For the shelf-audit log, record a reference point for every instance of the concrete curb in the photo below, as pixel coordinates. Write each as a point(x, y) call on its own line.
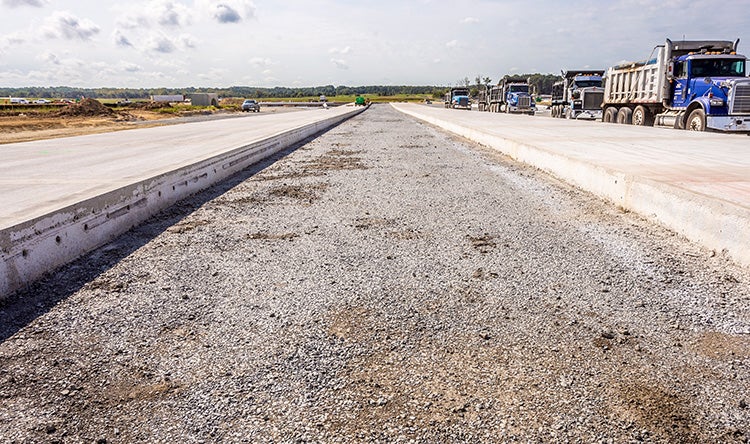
point(711, 222)
point(33, 248)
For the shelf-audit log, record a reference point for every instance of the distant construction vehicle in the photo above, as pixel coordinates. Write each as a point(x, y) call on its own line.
point(511, 95)
point(578, 95)
point(458, 98)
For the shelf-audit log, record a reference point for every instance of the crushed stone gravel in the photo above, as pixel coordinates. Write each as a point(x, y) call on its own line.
point(383, 282)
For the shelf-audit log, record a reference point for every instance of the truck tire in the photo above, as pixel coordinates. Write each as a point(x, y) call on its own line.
point(625, 115)
point(610, 115)
point(696, 121)
point(642, 116)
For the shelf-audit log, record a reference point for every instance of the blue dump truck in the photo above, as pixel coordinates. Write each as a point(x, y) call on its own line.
point(511, 95)
point(458, 98)
point(693, 85)
point(578, 95)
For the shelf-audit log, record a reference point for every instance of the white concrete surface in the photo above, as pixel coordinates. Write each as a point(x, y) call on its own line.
point(697, 184)
point(61, 198)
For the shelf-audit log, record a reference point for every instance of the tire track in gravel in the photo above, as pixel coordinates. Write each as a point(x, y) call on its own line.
point(386, 282)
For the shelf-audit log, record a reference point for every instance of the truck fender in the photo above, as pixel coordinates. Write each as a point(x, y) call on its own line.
point(700, 102)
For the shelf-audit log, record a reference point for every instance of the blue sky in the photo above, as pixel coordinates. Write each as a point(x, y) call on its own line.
point(218, 43)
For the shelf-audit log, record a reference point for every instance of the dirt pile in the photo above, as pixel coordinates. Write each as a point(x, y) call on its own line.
point(86, 108)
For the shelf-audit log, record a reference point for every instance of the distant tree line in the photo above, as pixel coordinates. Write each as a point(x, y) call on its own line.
point(543, 84)
point(60, 92)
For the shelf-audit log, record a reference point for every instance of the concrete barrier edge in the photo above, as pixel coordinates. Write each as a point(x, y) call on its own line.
point(712, 223)
point(35, 247)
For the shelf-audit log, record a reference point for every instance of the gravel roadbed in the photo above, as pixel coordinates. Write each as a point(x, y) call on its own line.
point(383, 282)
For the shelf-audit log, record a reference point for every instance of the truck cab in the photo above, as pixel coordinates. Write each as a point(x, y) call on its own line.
point(578, 95)
point(518, 99)
point(458, 98)
point(705, 84)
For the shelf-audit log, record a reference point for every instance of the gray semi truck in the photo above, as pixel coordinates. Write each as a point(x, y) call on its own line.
point(578, 95)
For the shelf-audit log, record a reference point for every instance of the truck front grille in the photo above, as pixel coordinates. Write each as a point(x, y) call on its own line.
point(741, 104)
point(593, 99)
point(524, 102)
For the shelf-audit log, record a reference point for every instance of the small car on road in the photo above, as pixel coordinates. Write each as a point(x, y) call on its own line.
point(250, 105)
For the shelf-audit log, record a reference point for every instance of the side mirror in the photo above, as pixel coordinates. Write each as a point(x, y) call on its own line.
point(670, 71)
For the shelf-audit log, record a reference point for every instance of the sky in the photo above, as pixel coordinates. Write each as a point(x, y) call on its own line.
point(267, 43)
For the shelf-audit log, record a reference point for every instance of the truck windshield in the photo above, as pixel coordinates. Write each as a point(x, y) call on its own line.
point(461, 92)
point(717, 68)
point(588, 83)
point(519, 88)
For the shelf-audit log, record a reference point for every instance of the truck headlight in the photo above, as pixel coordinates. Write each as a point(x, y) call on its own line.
point(716, 101)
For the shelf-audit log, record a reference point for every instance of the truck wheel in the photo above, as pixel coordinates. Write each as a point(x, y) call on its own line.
point(696, 121)
point(625, 115)
point(610, 115)
point(642, 116)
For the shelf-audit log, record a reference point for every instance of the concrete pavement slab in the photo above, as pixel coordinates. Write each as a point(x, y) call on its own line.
point(61, 198)
point(697, 184)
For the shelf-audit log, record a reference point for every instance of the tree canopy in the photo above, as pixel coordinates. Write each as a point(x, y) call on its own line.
point(543, 84)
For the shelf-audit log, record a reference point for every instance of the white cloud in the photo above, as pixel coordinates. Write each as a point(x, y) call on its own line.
point(214, 75)
point(48, 57)
point(187, 41)
point(133, 21)
point(261, 62)
point(161, 43)
point(340, 64)
point(63, 24)
point(121, 39)
point(227, 11)
point(226, 14)
point(469, 20)
point(170, 13)
point(18, 3)
point(452, 44)
point(129, 67)
point(10, 40)
point(344, 50)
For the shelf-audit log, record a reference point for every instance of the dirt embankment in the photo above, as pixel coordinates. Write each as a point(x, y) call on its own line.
point(86, 117)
